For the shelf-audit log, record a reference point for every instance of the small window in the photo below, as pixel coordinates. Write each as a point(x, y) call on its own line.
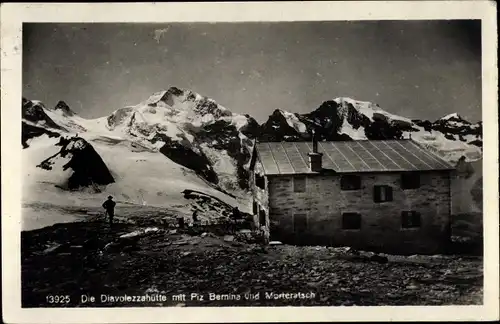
point(350, 182)
point(299, 184)
point(382, 193)
point(262, 217)
point(299, 223)
point(254, 208)
point(410, 219)
point(351, 221)
point(260, 181)
point(410, 180)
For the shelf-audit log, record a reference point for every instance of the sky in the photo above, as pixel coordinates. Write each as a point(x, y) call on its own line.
point(416, 69)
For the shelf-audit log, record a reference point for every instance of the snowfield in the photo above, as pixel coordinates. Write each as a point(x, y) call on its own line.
point(450, 150)
point(142, 177)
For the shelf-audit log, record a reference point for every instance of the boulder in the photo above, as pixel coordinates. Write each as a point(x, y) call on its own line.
point(123, 243)
point(380, 117)
point(181, 242)
point(228, 238)
point(140, 233)
point(53, 249)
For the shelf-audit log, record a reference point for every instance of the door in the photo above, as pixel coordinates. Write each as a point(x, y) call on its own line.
point(262, 218)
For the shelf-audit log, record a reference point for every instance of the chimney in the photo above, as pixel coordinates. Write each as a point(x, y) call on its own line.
point(315, 158)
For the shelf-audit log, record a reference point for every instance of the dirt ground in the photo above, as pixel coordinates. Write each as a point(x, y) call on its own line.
point(158, 266)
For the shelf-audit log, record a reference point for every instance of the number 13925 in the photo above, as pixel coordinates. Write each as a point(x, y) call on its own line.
point(57, 299)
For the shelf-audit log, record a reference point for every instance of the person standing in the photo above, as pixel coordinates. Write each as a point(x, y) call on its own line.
point(195, 217)
point(109, 205)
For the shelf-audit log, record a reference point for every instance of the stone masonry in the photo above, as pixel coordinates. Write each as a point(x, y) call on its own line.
point(324, 202)
point(260, 196)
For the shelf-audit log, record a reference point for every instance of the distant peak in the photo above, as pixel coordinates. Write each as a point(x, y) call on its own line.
point(62, 106)
point(344, 99)
point(354, 102)
point(176, 91)
point(278, 112)
point(455, 117)
point(452, 116)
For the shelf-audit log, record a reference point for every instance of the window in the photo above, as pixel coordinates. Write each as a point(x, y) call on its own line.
point(299, 223)
point(410, 219)
point(299, 184)
point(382, 193)
point(262, 217)
point(260, 181)
point(254, 208)
point(410, 180)
point(351, 221)
point(350, 182)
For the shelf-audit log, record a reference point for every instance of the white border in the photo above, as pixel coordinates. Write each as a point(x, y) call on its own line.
point(12, 16)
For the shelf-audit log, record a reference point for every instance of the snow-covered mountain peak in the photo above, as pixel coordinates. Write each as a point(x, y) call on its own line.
point(191, 130)
point(357, 104)
point(35, 113)
point(450, 116)
point(454, 119)
point(369, 109)
point(187, 100)
point(63, 109)
point(179, 106)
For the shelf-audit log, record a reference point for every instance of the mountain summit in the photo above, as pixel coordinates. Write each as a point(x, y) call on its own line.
point(64, 109)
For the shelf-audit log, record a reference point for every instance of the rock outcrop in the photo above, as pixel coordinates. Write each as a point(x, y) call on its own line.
point(88, 167)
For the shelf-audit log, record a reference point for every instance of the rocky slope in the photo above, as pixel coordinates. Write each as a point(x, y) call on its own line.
point(36, 122)
point(88, 167)
point(140, 261)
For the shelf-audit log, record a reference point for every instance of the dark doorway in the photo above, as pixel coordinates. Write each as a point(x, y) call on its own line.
point(300, 228)
point(262, 217)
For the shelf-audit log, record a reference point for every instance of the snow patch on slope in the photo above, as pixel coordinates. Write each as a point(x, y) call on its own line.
point(450, 150)
point(355, 134)
point(451, 116)
point(294, 122)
